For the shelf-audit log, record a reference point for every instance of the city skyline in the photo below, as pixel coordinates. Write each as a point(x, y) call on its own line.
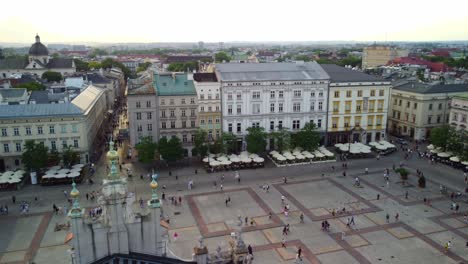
point(207, 20)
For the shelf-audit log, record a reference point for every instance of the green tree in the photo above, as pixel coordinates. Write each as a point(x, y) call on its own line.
point(325, 61)
point(109, 63)
point(256, 139)
point(81, 65)
point(222, 56)
point(183, 67)
point(351, 60)
point(440, 135)
point(146, 149)
point(94, 65)
point(53, 157)
point(35, 155)
point(302, 58)
point(282, 139)
point(144, 66)
point(171, 150)
point(229, 142)
point(52, 76)
point(70, 156)
point(31, 86)
point(55, 55)
point(98, 52)
point(308, 137)
point(201, 144)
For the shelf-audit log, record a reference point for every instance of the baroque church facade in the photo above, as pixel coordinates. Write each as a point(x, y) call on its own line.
point(37, 62)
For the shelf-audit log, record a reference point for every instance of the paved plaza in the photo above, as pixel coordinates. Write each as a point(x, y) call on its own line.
point(417, 236)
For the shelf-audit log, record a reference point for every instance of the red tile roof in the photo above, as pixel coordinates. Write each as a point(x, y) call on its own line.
point(433, 66)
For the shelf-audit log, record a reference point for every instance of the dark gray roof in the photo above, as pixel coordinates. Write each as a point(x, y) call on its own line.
point(38, 49)
point(342, 74)
point(39, 97)
point(38, 110)
point(270, 71)
point(60, 63)
point(97, 78)
point(13, 63)
point(13, 92)
point(422, 88)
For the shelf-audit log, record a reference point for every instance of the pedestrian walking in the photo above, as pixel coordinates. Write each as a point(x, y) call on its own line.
point(246, 219)
point(65, 193)
point(285, 180)
point(387, 217)
point(352, 220)
point(378, 196)
point(343, 234)
point(299, 254)
point(406, 195)
point(396, 217)
point(282, 199)
point(87, 196)
point(301, 217)
point(367, 171)
point(249, 249)
point(269, 215)
point(221, 186)
point(283, 242)
point(13, 199)
point(175, 236)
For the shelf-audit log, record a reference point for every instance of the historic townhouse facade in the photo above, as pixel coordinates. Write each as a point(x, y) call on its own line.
point(209, 103)
point(272, 96)
point(178, 107)
point(57, 126)
point(357, 106)
point(142, 109)
point(416, 108)
point(459, 112)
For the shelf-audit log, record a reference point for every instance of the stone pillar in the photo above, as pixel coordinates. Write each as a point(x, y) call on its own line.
point(200, 253)
point(76, 215)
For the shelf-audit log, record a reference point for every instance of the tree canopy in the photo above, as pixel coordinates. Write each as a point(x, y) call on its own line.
point(98, 52)
point(222, 56)
point(35, 155)
point(183, 67)
point(256, 139)
point(171, 150)
point(31, 86)
point(302, 58)
point(52, 76)
point(70, 156)
point(109, 63)
point(440, 135)
point(144, 66)
point(81, 65)
point(94, 65)
point(308, 137)
point(201, 145)
point(282, 139)
point(146, 149)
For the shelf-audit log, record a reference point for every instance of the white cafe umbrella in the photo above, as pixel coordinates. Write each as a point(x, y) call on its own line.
point(274, 152)
point(56, 167)
point(73, 174)
point(465, 162)
point(253, 156)
point(455, 159)
point(443, 155)
point(225, 162)
point(78, 166)
point(246, 160)
point(429, 147)
point(337, 145)
point(381, 147)
point(63, 171)
point(259, 159)
point(280, 158)
point(290, 157)
point(236, 159)
point(215, 163)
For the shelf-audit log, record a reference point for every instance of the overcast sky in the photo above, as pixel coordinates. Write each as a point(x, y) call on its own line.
point(233, 20)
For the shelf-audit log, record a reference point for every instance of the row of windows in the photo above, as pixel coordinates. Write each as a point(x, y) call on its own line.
point(399, 102)
point(349, 93)
point(138, 104)
point(172, 124)
point(183, 113)
point(273, 94)
point(149, 116)
point(182, 101)
point(276, 83)
point(359, 106)
point(357, 121)
point(438, 119)
point(256, 108)
point(53, 145)
point(210, 121)
point(210, 97)
point(40, 130)
point(296, 124)
point(209, 108)
point(462, 119)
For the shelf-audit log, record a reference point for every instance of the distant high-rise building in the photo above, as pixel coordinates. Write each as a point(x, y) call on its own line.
point(221, 45)
point(201, 45)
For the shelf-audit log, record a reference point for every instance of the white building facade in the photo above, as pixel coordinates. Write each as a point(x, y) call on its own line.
point(272, 96)
point(459, 112)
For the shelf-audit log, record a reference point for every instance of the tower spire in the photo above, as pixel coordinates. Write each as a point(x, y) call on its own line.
point(154, 202)
point(76, 209)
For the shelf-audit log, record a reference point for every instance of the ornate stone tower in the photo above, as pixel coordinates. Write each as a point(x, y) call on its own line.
point(120, 228)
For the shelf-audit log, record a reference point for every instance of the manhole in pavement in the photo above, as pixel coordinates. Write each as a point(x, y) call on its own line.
point(176, 213)
point(379, 259)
